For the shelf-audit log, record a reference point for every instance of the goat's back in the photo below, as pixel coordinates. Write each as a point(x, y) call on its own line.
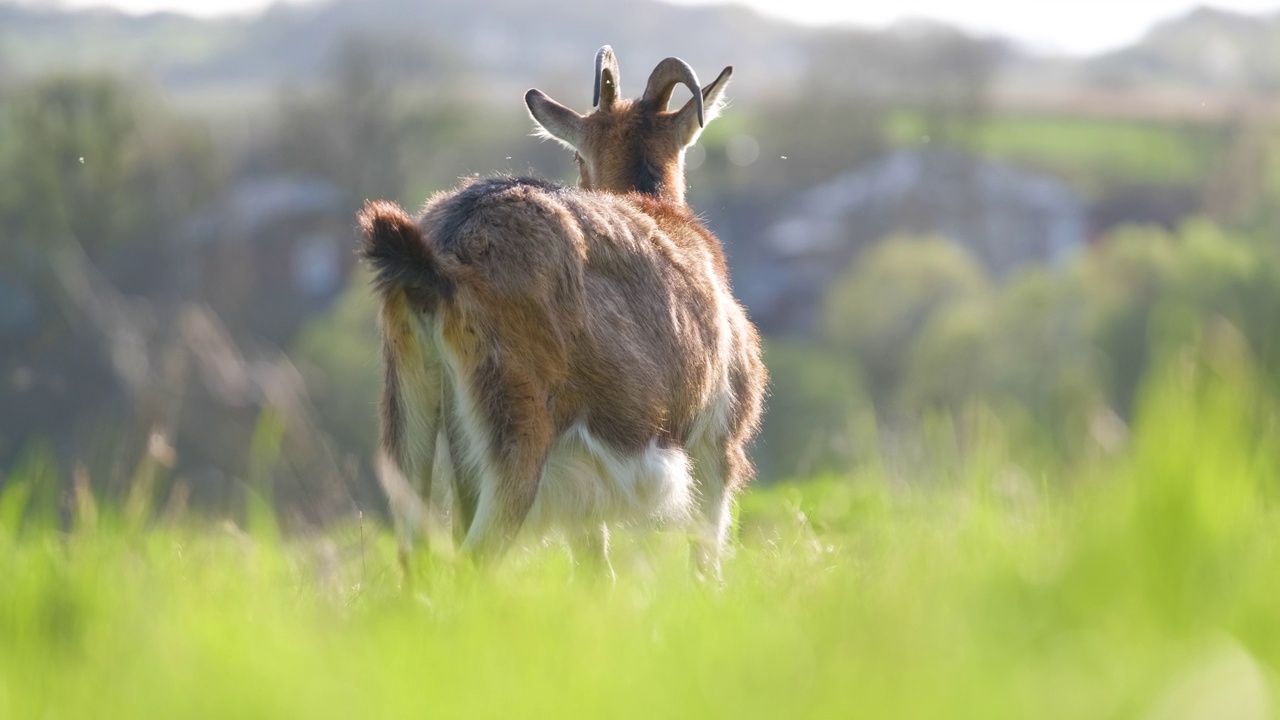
point(617, 305)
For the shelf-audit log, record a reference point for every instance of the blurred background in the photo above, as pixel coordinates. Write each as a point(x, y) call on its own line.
point(936, 216)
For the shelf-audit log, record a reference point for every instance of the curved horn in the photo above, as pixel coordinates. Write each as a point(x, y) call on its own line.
point(664, 79)
point(606, 90)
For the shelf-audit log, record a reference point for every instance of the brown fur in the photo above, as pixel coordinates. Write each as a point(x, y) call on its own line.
point(606, 306)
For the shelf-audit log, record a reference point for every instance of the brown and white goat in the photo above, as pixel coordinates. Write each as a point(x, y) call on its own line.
point(574, 355)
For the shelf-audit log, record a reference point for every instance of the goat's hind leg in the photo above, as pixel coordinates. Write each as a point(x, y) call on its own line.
point(516, 454)
point(410, 426)
point(717, 470)
point(410, 507)
point(463, 475)
point(506, 496)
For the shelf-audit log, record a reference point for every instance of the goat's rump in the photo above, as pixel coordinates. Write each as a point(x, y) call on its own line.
point(624, 295)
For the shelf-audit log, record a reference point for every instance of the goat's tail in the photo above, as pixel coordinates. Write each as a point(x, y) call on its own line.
point(401, 256)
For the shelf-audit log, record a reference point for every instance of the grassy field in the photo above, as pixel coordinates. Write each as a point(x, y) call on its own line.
point(1089, 151)
point(1144, 585)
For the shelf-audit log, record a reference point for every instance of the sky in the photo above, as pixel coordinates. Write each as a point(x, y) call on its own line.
point(1067, 26)
point(1064, 26)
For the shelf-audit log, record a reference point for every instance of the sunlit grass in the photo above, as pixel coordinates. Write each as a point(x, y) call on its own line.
point(1144, 584)
point(1089, 152)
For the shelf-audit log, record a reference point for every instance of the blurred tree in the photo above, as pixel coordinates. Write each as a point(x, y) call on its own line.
point(877, 313)
point(1244, 175)
point(821, 135)
point(348, 133)
point(1125, 282)
point(6, 72)
point(929, 332)
point(949, 363)
point(818, 421)
point(352, 130)
point(340, 358)
point(91, 160)
point(88, 163)
point(1040, 357)
point(61, 124)
point(953, 73)
point(936, 71)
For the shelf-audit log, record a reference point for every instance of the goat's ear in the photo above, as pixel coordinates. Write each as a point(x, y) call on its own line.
point(713, 101)
point(554, 120)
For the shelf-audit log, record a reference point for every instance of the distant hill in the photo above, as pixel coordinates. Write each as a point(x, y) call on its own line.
point(509, 45)
point(518, 42)
point(1205, 50)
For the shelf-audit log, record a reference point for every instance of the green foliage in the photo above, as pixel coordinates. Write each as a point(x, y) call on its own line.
point(340, 358)
point(818, 419)
point(949, 360)
point(808, 133)
point(1060, 354)
point(30, 499)
point(879, 312)
point(390, 120)
point(349, 131)
point(1143, 585)
point(91, 159)
point(264, 453)
point(1148, 290)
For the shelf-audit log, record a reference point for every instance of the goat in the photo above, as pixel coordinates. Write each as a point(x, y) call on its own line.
point(574, 355)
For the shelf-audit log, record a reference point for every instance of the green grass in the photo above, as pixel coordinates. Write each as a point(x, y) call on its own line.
point(1091, 153)
point(1144, 584)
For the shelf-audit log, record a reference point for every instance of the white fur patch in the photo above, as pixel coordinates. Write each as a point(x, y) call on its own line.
point(585, 482)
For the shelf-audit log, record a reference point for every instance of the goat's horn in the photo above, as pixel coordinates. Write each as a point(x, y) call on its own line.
point(664, 79)
point(606, 90)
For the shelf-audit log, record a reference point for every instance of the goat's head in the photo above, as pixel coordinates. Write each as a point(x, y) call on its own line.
point(633, 145)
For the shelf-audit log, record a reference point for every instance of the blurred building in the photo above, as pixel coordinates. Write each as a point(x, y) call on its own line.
point(1007, 217)
point(274, 254)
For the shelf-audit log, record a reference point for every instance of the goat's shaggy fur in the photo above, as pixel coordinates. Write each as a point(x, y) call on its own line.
point(576, 351)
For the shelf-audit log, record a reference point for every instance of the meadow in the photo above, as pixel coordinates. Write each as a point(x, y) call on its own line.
point(1092, 154)
point(1139, 583)
point(1047, 493)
